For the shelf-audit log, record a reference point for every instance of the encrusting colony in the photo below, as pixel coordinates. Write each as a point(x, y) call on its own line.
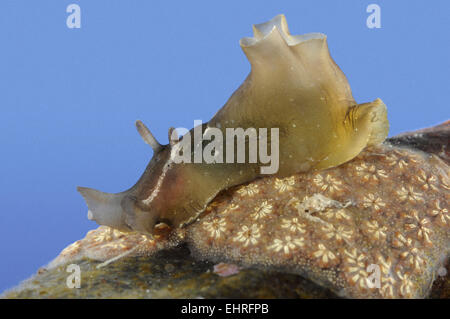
point(387, 208)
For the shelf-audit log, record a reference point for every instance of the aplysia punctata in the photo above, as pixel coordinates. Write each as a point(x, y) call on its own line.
point(294, 86)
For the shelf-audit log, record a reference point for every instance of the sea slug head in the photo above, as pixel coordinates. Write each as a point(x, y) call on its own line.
point(125, 211)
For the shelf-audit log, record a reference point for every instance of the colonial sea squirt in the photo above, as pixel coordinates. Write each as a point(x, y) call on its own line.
point(294, 86)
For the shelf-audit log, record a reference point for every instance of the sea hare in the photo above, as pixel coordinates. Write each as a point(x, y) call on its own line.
point(294, 90)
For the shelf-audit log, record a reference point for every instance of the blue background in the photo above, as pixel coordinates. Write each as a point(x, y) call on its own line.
point(69, 97)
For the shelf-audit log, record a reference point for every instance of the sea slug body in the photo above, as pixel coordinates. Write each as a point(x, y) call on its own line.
point(294, 87)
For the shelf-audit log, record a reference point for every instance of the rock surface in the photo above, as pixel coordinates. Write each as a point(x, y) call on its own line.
point(170, 273)
point(433, 140)
point(308, 235)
